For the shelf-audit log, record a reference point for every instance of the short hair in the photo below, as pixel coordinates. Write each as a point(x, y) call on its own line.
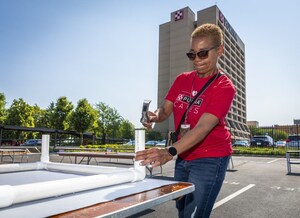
point(209, 30)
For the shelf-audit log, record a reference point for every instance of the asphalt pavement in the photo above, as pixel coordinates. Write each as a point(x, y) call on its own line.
point(255, 187)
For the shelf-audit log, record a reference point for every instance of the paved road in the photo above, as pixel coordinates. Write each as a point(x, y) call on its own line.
point(255, 187)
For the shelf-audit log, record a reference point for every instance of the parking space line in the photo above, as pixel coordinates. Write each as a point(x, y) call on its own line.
point(273, 160)
point(228, 198)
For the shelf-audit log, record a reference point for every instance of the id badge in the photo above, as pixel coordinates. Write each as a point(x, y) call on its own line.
point(184, 128)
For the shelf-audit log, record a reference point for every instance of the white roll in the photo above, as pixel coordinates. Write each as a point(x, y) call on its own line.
point(88, 169)
point(7, 195)
point(35, 191)
point(5, 168)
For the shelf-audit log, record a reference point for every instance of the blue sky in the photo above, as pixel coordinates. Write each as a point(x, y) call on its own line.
point(107, 51)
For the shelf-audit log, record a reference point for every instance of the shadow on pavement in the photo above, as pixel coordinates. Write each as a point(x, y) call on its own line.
point(293, 174)
point(145, 212)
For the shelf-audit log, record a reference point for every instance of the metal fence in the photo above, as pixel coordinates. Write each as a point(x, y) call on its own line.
point(289, 134)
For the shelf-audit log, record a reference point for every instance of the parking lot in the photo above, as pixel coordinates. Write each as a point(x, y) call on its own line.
point(255, 187)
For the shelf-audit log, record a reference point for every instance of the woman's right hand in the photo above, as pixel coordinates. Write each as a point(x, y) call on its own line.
point(151, 118)
point(159, 115)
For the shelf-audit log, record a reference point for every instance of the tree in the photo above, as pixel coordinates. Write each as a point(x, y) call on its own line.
point(153, 135)
point(108, 120)
point(83, 118)
point(39, 115)
point(126, 129)
point(20, 114)
point(2, 108)
point(48, 116)
point(114, 123)
point(280, 135)
point(60, 114)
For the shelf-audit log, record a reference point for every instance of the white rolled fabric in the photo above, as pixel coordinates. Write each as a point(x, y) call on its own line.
point(6, 168)
point(22, 193)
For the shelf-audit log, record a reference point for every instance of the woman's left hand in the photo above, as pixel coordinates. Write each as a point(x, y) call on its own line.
point(153, 156)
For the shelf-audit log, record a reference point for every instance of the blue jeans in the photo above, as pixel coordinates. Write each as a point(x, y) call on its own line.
point(207, 174)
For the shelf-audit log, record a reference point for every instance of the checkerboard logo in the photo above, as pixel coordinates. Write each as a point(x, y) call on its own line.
point(178, 15)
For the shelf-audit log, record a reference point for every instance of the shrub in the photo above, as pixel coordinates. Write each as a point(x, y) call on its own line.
point(259, 150)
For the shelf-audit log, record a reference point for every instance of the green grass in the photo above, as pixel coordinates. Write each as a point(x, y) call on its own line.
point(259, 150)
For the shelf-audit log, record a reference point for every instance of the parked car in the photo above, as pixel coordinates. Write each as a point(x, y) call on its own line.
point(161, 143)
point(32, 142)
point(261, 140)
point(280, 143)
point(131, 142)
point(151, 143)
point(293, 141)
point(241, 143)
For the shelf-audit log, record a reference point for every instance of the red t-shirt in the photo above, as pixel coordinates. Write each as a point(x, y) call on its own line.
point(216, 100)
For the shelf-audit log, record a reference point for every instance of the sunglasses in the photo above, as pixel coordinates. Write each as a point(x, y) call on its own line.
point(202, 54)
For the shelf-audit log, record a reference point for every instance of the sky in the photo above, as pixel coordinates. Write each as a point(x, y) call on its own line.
point(107, 51)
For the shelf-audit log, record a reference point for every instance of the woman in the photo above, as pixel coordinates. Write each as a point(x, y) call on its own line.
point(203, 151)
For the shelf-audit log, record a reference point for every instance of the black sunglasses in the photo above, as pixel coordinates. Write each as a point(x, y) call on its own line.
point(202, 54)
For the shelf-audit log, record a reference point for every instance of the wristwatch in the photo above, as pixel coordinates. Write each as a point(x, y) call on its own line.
point(172, 151)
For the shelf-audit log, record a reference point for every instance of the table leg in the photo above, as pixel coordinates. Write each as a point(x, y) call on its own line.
point(288, 163)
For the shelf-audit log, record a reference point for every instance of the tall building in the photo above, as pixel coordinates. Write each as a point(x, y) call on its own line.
point(174, 42)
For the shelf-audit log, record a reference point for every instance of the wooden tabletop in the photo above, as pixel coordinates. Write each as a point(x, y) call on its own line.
point(134, 203)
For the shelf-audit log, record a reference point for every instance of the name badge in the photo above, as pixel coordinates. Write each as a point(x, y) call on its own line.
point(184, 128)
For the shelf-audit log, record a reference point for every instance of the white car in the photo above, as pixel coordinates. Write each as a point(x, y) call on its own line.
point(280, 143)
point(33, 142)
point(131, 142)
point(241, 143)
point(151, 143)
point(161, 143)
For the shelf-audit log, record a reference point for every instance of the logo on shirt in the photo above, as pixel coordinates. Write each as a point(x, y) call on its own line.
point(179, 97)
point(183, 101)
point(188, 100)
